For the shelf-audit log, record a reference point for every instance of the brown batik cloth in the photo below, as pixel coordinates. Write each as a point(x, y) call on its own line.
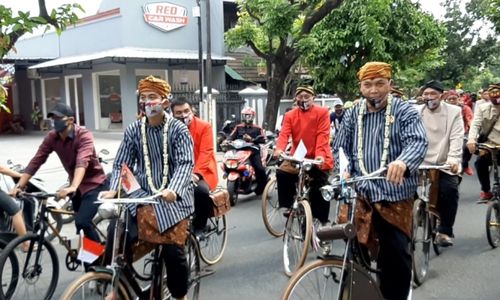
point(149, 232)
point(399, 214)
point(434, 191)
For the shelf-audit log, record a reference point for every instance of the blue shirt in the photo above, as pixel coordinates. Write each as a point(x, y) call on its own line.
point(180, 162)
point(408, 143)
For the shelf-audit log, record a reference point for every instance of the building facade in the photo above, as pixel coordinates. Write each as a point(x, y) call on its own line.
point(96, 65)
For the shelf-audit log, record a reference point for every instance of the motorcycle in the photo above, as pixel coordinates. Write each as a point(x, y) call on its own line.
point(226, 130)
point(28, 206)
point(238, 170)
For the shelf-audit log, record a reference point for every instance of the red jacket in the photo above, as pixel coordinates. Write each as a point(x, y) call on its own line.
point(205, 163)
point(313, 128)
point(468, 116)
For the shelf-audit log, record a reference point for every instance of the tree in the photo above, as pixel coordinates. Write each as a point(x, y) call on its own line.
point(465, 47)
point(393, 31)
point(273, 29)
point(12, 27)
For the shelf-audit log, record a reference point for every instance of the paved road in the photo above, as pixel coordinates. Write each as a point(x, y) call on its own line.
point(251, 267)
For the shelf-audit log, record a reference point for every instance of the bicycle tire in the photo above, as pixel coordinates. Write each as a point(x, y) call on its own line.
point(77, 289)
point(297, 236)
point(493, 225)
point(193, 259)
point(320, 279)
point(434, 225)
point(33, 275)
point(214, 241)
point(274, 221)
point(421, 239)
point(13, 263)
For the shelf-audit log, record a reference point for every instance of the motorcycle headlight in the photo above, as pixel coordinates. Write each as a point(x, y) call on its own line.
point(327, 192)
point(108, 210)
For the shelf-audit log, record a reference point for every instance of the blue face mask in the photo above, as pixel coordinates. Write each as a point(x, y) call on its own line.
point(60, 125)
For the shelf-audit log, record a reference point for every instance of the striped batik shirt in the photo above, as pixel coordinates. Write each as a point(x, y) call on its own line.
point(408, 143)
point(180, 168)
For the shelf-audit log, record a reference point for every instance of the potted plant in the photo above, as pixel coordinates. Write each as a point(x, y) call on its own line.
point(36, 116)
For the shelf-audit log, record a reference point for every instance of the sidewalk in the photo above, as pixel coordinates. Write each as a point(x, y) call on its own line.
point(21, 148)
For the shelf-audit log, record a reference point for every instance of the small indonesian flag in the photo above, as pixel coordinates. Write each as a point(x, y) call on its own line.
point(90, 250)
point(129, 183)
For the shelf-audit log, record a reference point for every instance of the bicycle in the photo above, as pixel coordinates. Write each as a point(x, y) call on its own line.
point(21, 270)
point(425, 224)
point(298, 230)
point(493, 210)
point(120, 278)
point(272, 215)
point(345, 276)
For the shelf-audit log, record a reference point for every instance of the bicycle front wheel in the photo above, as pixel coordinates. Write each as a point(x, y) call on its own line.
point(421, 242)
point(214, 240)
point(273, 218)
point(94, 286)
point(298, 230)
point(12, 264)
point(322, 279)
point(38, 269)
point(493, 224)
point(193, 259)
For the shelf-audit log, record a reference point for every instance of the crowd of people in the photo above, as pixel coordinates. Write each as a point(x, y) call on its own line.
point(171, 152)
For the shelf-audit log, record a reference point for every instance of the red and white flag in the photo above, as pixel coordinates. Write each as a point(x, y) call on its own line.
point(90, 250)
point(129, 183)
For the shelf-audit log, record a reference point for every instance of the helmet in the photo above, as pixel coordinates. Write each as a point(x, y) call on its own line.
point(248, 115)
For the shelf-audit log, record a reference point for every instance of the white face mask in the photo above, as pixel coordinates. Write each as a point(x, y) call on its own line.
point(153, 108)
point(186, 119)
point(432, 104)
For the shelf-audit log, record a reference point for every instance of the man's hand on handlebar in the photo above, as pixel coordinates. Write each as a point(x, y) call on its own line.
point(472, 146)
point(169, 195)
point(277, 153)
point(247, 138)
point(320, 159)
point(454, 167)
point(65, 192)
point(396, 171)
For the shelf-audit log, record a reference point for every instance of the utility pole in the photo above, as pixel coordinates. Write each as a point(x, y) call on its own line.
point(197, 14)
point(210, 101)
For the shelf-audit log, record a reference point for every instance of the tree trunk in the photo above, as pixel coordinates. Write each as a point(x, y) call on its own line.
point(274, 96)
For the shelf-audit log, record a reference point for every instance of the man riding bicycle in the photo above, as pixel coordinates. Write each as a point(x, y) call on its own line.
point(445, 147)
point(204, 175)
point(310, 124)
point(384, 131)
point(159, 149)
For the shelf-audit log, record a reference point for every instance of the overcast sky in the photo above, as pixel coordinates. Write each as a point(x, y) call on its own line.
point(91, 6)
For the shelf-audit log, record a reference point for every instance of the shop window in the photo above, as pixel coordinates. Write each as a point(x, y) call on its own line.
point(110, 95)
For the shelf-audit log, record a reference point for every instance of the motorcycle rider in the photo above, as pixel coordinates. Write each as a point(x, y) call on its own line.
point(252, 133)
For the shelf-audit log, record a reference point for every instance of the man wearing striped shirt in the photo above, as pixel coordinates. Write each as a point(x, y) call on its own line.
point(142, 149)
point(392, 135)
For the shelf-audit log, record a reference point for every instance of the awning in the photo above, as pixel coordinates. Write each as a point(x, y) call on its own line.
point(231, 72)
point(127, 52)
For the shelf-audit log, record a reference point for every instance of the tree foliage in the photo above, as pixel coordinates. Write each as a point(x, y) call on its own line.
point(393, 31)
point(467, 50)
point(273, 29)
point(12, 26)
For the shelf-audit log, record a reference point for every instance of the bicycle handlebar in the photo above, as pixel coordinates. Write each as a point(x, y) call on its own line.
point(488, 147)
point(142, 200)
point(37, 195)
point(305, 160)
point(438, 167)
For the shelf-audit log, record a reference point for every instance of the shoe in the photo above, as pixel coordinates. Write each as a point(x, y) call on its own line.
point(468, 171)
point(443, 240)
point(484, 197)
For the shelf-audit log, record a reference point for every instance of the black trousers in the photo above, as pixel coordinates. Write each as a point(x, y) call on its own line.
point(260, 171)
point(448, 202)
point(86, 209)
point(483, 174)
point(202, 204)
point(394, 259)
point(287, 190)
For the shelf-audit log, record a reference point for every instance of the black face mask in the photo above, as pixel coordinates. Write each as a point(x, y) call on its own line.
point(60, 125)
